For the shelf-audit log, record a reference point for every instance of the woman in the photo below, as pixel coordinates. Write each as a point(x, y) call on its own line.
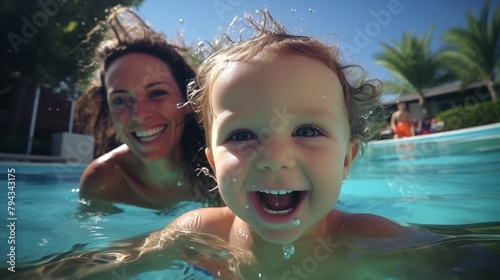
point(141, 88)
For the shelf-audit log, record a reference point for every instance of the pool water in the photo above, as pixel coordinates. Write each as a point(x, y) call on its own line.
point(441, 179)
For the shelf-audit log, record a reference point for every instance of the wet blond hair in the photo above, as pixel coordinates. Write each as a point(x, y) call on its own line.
point(361, 95)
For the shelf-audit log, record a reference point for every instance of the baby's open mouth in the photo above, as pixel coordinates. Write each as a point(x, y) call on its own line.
point(277, 203)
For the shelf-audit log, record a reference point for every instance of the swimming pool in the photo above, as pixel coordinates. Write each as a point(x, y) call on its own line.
point(441, 179)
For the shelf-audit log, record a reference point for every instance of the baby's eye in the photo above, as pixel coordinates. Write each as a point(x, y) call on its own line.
point(307, 131)
point(243, 135)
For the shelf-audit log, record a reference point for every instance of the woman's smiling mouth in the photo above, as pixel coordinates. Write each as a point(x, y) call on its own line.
point(149, 134)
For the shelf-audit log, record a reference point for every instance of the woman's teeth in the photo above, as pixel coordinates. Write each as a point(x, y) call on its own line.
point(150, 134)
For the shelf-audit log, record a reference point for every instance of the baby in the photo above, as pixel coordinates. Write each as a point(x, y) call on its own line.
point(283, 128)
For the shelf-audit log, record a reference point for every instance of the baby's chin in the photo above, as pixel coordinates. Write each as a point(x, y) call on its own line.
point(278, 236)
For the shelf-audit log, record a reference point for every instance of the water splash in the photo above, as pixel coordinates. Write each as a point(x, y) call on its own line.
point(288, 251)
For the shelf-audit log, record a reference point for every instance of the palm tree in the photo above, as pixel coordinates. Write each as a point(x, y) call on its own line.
point(414, 65)
point(474, 52)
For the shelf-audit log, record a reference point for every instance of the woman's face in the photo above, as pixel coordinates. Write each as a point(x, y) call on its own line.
point(142, 96)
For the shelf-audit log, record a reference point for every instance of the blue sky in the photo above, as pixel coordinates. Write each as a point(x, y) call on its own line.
point(358, 25)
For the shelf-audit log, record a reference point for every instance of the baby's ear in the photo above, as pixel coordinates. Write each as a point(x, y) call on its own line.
point(210, 158)
point(351, 154)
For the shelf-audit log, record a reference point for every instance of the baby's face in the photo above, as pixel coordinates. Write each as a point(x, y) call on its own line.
point(280, 144)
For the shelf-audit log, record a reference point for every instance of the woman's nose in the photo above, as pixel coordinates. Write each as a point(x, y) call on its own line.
point(142, 110)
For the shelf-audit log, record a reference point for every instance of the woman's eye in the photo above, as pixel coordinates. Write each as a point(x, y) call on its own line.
point(307, 131)
point(156, 93)
point(118, 101)
point(242, 136)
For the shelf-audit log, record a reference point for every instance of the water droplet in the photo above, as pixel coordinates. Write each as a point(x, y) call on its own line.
point(293, 10)
point(181, 21)
point(296, 222)
point(277, 204)
point(218, 272)
point(201, 44)
point(260, 275)
point(336, 107)
point(106, 10)
point(234, 179)
point(180, 183)
point(242, 233)
point(311, 10)
point(288, 251)
point(324, 97)
point(247, 206)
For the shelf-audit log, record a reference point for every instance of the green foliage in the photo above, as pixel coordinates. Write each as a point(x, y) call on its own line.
point(397, 87)
point(40, 36)
point(473, 52)
point(413, 63)
point(472, 115)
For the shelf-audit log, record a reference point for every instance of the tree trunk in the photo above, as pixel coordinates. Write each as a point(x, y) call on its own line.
point(491, 88)
point(24, 84)
point(421, 102)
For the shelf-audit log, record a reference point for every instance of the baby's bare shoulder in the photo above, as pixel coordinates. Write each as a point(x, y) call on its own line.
point(367, 225)
point(216, 220)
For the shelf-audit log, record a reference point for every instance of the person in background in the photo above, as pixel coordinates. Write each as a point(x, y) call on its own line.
point(425, 125)
point(139, 95)
point(402, 122)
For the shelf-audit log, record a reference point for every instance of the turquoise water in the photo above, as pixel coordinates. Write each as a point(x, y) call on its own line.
point(441, 179)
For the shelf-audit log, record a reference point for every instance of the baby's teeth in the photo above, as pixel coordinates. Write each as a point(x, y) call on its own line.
point(280, 212)
point(279, 192)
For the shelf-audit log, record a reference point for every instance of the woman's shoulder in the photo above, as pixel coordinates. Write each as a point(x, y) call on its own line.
point(103, 174)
